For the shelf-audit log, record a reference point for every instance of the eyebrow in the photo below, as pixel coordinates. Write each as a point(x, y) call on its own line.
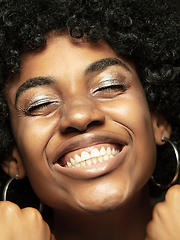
point(33, 82)
point(92, 68)
point(104, 63)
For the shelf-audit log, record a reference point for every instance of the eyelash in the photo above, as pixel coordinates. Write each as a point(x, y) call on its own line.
point(39, 106)
point(113, 87)
point(120, 87)
point(104, 89)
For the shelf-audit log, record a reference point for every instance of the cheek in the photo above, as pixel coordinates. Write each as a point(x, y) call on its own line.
point(133, 115)
point(130, 112)
point(32, 137)
point(33, 134)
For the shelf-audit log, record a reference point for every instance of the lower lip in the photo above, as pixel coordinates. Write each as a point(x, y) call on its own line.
point(93, 171)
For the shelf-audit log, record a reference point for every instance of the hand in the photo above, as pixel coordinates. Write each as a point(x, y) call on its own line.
point(165, 223)
point(22, 224)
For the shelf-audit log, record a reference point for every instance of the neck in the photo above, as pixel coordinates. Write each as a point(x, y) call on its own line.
point(125, 223)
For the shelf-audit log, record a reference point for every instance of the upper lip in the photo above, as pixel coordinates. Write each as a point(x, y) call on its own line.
point(90, 139)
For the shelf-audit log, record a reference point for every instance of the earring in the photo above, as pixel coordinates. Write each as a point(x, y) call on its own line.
point(177, 167)
point(41, 205)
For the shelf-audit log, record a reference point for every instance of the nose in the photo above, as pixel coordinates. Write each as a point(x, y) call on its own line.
point(79, 113)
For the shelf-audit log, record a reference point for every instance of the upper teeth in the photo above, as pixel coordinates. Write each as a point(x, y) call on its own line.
point(94, 157)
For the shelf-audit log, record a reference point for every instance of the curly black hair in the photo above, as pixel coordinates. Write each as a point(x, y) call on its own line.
point(145, 32)
point(175, 4)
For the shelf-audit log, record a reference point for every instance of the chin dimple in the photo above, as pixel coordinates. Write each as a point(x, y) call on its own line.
point(92, 158)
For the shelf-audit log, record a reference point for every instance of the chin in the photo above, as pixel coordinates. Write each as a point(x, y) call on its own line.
point(94, 205)
point(98, 209)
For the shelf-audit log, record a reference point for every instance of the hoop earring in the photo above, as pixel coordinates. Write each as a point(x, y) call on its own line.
point(41, 205)
point(177, 167)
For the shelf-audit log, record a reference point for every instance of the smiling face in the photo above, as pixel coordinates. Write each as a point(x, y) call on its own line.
point(82, 125)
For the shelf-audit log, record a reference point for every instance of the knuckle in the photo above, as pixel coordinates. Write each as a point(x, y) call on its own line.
point(149, 229)
point(9, 208)
point(157, 208)
point(173, 193)
point(32, 213)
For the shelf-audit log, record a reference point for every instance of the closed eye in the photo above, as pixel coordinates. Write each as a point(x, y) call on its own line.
point(41, 108)
point(36, 107)
point(110, 88)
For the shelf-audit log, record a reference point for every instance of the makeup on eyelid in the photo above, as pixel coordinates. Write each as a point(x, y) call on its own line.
point(112, 76)
point(37, 102)
point(107, 84)
point(110, 83)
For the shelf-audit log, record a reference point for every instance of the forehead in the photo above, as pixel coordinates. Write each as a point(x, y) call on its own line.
point(63, 57)
point(63, 50)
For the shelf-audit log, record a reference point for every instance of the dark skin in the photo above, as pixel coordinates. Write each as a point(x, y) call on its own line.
point(75, 97)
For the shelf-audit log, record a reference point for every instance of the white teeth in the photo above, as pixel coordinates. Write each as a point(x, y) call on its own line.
point(94, 160)
point(95, 153)
point(100, 159)
point(89, 162)
point(95, 157)
point(108, 151)
point(72, 161)
point(103, 151)
point(85, 155)
point(69, 164)
point(105, 157)
point(113, 152)
point(83, 164)
point(77, 158)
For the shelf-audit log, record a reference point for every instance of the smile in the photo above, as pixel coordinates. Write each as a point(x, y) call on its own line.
point(95, 156)
point(91, 155)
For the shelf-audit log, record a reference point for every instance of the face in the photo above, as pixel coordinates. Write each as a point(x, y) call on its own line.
point(82, 126)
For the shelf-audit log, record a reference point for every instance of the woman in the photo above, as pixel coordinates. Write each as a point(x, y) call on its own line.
point(89, 95)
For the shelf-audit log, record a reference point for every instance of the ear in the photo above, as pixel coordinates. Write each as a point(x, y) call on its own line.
point(161, 127)
point(13, 164)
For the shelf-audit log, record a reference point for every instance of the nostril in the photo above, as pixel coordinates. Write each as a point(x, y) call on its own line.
point(82, 128)
point(94, 123)
point(79, 116)
point(73, 129)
